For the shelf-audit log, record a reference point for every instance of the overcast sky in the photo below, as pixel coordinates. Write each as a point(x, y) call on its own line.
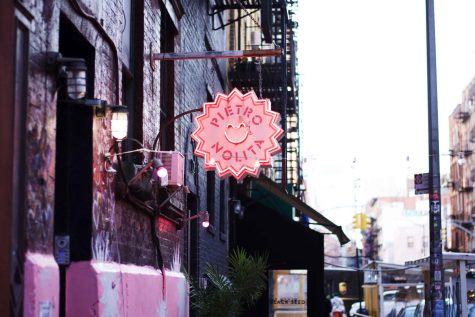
point(363, 93)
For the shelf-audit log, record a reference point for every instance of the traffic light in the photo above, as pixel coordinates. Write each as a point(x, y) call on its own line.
point(356, 221)
point(365, 221)
point(361, 221)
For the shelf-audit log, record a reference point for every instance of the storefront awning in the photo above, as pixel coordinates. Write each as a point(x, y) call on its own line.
point(299, 205)
point(289, 245)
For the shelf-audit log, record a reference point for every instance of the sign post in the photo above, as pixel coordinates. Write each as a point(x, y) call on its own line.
point(421, 183)
point(436, 263)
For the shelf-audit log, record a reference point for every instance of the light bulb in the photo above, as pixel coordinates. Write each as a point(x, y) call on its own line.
point(162, 172)
point(76, 80)
point(205, 222)
point(119, 124)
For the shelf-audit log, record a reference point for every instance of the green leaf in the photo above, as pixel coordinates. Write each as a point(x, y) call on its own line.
point(228, 295)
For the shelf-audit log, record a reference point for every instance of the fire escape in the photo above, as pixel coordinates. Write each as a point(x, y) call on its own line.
point(462, 174)
point(275, 77)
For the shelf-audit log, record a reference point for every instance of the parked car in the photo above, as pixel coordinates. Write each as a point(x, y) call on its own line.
point(354, 308)
point(420, 309)
point(389, 302)
point(408, 311)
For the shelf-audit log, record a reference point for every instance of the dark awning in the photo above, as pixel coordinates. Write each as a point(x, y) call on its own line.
point(299, 205)
point(288, 244)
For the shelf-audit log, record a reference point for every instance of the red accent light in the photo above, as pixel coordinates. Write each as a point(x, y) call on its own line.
point(237, 134)
point(205, 222)
point(162, 172)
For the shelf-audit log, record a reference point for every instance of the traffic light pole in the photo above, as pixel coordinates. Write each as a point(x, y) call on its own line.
point(436, 263)
point(358, 280)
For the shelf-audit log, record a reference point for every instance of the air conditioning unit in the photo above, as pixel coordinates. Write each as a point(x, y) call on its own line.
point(174, 162)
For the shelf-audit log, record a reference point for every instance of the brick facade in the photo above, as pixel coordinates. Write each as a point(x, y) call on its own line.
point(40, 128)
point(111, 218)
point(110, 228)
point(196, 76)
point(462, 174)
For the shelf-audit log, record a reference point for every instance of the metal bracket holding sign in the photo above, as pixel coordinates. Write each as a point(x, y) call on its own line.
point(216, 54)
point(421, 183)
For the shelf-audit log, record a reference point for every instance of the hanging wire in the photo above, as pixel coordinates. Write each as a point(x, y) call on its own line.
point(212, 71)
point(259, 71)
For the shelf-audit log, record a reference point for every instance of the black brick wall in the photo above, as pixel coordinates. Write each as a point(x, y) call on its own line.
point(195, 77)
point(120, 232)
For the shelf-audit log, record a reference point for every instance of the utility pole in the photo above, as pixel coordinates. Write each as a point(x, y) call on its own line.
point(436, 263)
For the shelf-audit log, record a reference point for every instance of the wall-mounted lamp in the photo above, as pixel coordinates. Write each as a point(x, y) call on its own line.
point(236, 207)
point(142, 183)
point(76, 79)
point(160, 173)
point(74, 72)
point(204, 223)
point(119, 122)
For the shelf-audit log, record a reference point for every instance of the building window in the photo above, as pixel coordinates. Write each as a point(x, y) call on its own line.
point(210, 195)
point(222, 207)
point(18, 214)
point(410, 242)
point(168, 33)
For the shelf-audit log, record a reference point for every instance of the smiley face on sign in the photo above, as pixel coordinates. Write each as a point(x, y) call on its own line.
point(237, 134)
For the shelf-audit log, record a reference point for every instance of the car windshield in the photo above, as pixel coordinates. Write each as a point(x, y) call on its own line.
point(389, 296)
point(407, 312)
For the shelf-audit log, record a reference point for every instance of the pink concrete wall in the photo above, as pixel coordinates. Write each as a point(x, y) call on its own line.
point(110, 289)
point(41, 292)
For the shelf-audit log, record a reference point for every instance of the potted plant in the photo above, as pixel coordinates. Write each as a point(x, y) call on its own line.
point(227, 295)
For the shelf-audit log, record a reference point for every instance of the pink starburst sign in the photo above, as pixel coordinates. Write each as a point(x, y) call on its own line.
point(237, 134)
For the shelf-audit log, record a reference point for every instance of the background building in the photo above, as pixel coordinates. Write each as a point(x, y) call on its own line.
point(403, 228)
point(399, 229)
point(460, 236)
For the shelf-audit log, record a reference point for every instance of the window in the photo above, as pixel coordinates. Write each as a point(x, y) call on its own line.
point(410, 242)
point(210, 195)
point(167, 83)
point(222, 207)
point(18, 214)
point(133, 85)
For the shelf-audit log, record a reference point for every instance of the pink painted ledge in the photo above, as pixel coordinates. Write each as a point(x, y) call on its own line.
point(110, 289)
point(41, 292)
